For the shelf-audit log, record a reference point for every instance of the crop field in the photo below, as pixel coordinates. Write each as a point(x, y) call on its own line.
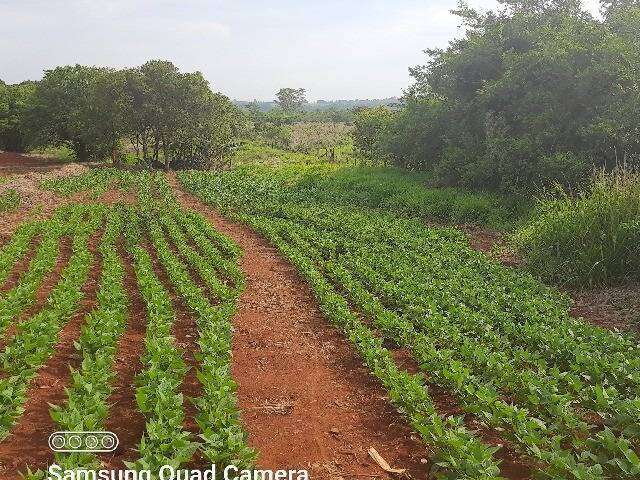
point(428, 314)
point(120, 312)
point(70, 278)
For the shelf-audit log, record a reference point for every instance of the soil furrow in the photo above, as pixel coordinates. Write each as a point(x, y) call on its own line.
point(28, 443)
point(305, 398)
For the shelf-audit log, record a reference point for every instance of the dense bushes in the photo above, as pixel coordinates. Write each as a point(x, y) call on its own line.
point(534, 93)
point(168, 116)
point(592, 238)
point(14, 103)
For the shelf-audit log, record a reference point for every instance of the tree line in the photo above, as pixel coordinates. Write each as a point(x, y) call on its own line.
point(537, 91)
point(167, 117)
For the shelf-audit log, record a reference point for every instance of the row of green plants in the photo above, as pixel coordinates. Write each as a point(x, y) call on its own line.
point(35, 338)
point(457, 452)
point(158, 395)
point(503, 343)
point(96, 180)
point(87, 404)
point(538, 429)
point(155, 234)
point(23, 294)
point(9, 200)
point(222, 440)
point(465, 287)
point(17, 247)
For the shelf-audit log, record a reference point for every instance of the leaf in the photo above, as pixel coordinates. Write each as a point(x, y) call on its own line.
point(383, 463)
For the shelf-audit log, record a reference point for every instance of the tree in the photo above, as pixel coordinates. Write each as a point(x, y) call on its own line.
point(291, 100)
point(16, 102)
point(535, 92)
point(371, 128)
point(317, 136)
point(65, 111)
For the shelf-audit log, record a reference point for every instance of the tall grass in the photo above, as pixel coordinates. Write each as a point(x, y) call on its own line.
point(591, 238)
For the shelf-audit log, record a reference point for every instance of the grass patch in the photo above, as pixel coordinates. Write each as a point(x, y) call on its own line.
point(590, 239)
point(61, 153)
point(390, 190)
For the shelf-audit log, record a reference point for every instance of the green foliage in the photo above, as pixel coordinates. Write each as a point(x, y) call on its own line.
point(64, 111)
point(291, 100)
point(504, 344)
point(387, 189)
point(15, 101)
point(9, 200)
point(534, 93)
point(175, 117)
point(592, 238)
point(371, 127)
point(169, 116)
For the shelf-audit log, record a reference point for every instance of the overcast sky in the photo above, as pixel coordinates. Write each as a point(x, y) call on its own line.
point(246, 48)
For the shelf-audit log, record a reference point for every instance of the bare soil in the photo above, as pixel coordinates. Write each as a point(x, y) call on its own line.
point(305, 398)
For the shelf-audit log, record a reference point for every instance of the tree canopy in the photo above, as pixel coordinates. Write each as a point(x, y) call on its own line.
point(169, 117)
point(534, 92)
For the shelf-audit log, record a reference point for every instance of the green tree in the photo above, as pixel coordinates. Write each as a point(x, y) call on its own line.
point(65, 111)
point(537, 91)
point(291, 100)
point(16, 102)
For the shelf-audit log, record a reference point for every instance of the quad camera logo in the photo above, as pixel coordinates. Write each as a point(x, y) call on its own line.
point(85, 442)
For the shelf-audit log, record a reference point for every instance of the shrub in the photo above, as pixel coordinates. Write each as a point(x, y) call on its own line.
point(591, 238)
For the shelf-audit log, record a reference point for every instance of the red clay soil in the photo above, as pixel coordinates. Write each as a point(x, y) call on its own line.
point(11, 162)
point(27, 445)
point(125, 418)
point(306, 400)
point(42, 294)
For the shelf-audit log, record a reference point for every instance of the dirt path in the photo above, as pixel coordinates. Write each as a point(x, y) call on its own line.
point(305, 398)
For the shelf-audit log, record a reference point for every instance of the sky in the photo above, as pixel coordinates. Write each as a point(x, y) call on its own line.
point(247, 49)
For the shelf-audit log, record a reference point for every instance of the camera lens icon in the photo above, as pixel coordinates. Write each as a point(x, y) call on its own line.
point(89, 442)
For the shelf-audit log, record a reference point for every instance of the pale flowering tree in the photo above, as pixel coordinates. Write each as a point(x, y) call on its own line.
point(320, 137)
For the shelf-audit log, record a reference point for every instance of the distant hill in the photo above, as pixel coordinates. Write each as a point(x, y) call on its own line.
point(325, 104)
